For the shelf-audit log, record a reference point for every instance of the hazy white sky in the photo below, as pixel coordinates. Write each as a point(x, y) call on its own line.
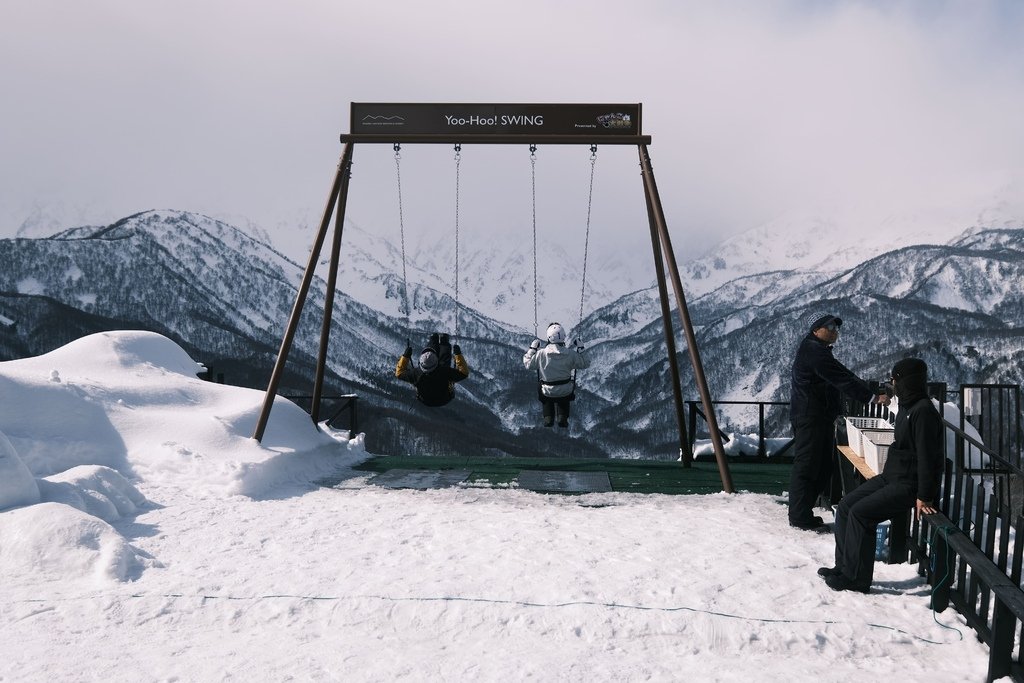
point(234, 108)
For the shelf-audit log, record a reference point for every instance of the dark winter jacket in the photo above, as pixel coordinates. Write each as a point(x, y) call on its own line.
point(818, 379)
point(433, 388)
point(916, 456)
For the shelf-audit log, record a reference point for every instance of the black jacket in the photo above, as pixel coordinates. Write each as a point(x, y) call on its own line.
point(436, 388)
point(817, 381)
point(916, 456)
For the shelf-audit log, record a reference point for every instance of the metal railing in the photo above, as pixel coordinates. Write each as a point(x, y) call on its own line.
point(347, 403)
point(972, 551)
point(993, 410)
point(694, 410)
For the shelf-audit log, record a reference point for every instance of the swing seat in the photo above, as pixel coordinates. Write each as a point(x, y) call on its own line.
point(436, 401)
point(434, 394)
point(545, 399)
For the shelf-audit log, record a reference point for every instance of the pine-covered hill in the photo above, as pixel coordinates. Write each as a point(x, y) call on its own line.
point(226, 297)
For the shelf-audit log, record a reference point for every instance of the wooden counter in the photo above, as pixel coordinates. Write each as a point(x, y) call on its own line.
point(857, 461)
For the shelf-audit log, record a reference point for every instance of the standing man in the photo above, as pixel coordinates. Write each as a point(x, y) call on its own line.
point(817, 382)
point(911, 476)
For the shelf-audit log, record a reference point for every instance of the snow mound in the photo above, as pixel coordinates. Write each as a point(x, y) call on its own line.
point(17, 485)
point(131, 401)
point(298, 469)
point(132, 351)
point(51, 542)
point(95, 490)
point(55, 425)
point(87, 423)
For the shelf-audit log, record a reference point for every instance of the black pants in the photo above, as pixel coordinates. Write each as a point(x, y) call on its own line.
point(555, 407)
point(857, 518)
point(813, 452)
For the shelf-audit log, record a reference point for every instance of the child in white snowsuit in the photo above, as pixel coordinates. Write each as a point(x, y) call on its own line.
point(555, 364)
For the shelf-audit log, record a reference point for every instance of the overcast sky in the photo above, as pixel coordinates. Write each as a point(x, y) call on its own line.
point(233, 109)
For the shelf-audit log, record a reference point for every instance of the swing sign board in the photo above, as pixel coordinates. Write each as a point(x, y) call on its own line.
point(537, 120)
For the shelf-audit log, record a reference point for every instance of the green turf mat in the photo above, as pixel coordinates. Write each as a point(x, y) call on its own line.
point(639, 476)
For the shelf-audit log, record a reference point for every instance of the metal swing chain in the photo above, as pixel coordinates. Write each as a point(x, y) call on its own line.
point(586, 246)
point(533, 193)
point(401, 227)
point(458, 160)
point(586, 241)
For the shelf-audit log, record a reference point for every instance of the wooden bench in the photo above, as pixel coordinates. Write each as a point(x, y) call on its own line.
point(899, 527)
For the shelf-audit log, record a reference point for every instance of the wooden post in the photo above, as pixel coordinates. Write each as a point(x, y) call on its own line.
point(300, 301)
point(685, 448)
point(332, 281)
point(1000, 655)
point(654, 200)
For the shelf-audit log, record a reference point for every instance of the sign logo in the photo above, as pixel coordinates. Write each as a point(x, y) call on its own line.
point(617, 121)
point(375, 120)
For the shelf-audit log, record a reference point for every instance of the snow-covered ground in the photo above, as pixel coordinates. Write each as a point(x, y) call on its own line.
point(145, 537)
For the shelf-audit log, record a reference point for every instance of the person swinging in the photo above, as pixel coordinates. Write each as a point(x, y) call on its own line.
point(435, 377)
point(555, 365)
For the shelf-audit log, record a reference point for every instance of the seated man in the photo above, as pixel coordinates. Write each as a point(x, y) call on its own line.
point(435, 378)
point(910, 478)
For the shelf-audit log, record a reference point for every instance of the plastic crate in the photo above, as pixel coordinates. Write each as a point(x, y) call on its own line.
point(875, 443)
point(856, 426)
point(882, 542)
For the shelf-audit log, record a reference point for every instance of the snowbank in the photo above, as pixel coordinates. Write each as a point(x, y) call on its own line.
point(82, 425)
point(17, 486)
point(51, 542)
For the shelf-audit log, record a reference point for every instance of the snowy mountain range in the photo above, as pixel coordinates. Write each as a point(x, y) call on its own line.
point(225, 297)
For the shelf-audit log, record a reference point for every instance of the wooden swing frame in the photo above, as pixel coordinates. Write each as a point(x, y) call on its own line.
point(502, 124)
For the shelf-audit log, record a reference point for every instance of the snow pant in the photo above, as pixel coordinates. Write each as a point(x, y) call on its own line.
point(813, 452)
point(857, 518)
point(555, 407)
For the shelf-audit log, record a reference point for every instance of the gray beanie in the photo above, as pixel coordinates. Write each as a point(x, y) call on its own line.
point(428, 360)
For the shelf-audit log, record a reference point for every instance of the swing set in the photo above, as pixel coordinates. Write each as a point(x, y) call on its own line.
point(500, 124)
point(533, 195)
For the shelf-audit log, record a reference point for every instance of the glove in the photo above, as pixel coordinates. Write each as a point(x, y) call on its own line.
point(456, 350)
point(408, 352)
point(579, 345)
point(535, 344)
